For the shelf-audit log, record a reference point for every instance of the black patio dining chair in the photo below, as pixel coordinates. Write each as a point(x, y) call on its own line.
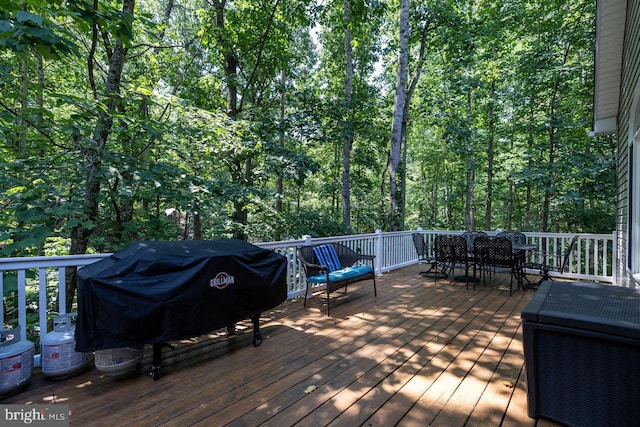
point(470, 236)
point(548, 265)
point(506, 235)
point(519, 238)
point(451, 253)
point(424, 255)
point(494, 254)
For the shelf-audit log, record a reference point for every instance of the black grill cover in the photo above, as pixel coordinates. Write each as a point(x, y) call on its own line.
point(156, 292)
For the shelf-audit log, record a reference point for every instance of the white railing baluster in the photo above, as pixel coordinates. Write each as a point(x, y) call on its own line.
point(22, 304)
point(42, 301)
point(62, 290)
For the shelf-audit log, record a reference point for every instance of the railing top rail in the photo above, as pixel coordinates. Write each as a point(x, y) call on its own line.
point(18, 263)
point(21, 263)
point(315, 240)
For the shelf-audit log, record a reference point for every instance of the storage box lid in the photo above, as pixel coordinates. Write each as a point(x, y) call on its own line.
point(595, 307)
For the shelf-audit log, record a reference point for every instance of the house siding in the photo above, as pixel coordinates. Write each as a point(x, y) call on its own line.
point(630, 79)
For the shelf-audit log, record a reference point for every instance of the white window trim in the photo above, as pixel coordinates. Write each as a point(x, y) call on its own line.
point(633, 223)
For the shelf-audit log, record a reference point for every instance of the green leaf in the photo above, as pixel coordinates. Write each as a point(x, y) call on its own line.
point(9, 283)
point(16, 190)
point(5, 26)
point(46, 51)
point(29, 18)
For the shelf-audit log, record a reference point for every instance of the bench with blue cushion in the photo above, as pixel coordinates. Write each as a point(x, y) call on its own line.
point(335, 265)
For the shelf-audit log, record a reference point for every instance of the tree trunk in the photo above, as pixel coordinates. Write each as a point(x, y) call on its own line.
point(87, 218)
point(490, 154)
point(530, 143)
point(549, 192)
point(197, 225)
point(239, 170)
point(21, 141)
point(347, 133)
point(468, 205)
point(402, 169)
point(395, 150)
point(281, 137)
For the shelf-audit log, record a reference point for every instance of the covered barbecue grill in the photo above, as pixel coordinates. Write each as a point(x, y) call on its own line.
point(157, 292)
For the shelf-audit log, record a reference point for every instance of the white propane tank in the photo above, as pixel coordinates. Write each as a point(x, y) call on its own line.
point(119, 362)
point(58, 355)
point(16, 360)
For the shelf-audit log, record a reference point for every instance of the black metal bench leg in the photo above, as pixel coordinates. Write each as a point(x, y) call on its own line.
point(328, 297)
point(306, 294)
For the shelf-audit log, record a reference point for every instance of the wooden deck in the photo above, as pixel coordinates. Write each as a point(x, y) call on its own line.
point(421, 353)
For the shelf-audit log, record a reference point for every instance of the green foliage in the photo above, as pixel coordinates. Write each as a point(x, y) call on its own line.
point(21, 30)
point(527, 66)
point(178, 163)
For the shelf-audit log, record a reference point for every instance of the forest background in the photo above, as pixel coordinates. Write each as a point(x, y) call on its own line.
point(265, 119)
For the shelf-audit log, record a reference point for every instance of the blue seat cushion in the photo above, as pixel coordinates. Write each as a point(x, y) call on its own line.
point(327, 256)
point(342, 274)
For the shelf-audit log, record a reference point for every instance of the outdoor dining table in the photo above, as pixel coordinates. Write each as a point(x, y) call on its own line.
point(523, 247)
point(517, 248)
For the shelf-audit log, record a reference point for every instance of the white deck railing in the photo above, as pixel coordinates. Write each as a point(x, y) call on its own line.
point(593, 259)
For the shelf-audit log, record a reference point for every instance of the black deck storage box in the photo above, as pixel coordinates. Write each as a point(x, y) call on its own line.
point(582, 354)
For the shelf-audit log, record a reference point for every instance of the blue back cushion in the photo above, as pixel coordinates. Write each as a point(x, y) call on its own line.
point(327, 255)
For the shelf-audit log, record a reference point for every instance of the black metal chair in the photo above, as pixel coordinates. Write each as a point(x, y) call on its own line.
point(470, 236)
point(424, 255)
point(516, 238)
point(492, 254)
point(506, 235)
point(451, 252)
point(519, 238)
point(546, 267)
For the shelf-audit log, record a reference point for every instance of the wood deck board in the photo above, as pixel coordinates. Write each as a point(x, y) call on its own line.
point(333, 397)
point(449, 367)
point(488, 350)
point(422, 352)
point(379, 393)
point(332, 365)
